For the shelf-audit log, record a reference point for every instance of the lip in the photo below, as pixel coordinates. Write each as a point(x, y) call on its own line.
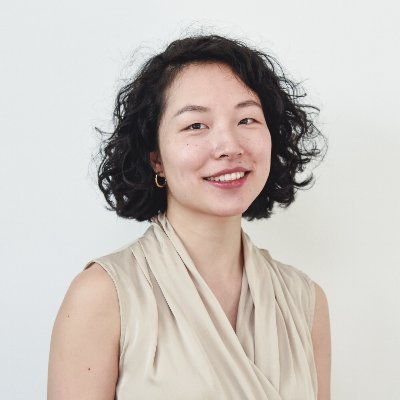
point(230, 184)
point(227, 171)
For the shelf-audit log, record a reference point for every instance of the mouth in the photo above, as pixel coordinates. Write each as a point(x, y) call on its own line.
point(235, 176)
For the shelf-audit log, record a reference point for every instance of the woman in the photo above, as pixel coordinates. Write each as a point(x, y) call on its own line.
point(206, 133)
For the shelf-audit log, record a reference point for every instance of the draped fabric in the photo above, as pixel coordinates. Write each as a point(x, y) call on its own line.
point(176, 341)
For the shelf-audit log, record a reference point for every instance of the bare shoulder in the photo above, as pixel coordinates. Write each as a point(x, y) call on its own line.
point(93, 284)
point(91, 294)
point(84, 349)
point(321, 338)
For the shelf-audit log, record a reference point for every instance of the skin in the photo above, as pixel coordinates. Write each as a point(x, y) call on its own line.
point(193, 144)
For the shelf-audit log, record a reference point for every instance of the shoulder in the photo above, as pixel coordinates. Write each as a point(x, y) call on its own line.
point(124, 265)
point(298, 285)
point(288, 272)
point(293, 276)
point(90, 300)
point(92, 288)
point(85, 338)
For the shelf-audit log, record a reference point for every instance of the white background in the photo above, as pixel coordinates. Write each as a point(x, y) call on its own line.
point(61, 65)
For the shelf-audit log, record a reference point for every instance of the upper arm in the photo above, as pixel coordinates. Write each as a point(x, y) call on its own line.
point(84, 350)
point(321, 338)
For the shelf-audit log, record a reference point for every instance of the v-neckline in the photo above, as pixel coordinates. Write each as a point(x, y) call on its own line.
point(187, 260)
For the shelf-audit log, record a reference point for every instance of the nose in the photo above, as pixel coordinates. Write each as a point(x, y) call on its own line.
point(227, 144)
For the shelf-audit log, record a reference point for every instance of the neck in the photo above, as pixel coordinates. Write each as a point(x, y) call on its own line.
point(214, 243)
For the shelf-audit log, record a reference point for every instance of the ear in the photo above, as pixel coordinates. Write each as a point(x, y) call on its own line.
point(156, 162)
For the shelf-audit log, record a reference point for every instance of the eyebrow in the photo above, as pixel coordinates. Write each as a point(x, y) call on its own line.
point(193, 107)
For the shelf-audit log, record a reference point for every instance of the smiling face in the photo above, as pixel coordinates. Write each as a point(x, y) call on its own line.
point(212, 122)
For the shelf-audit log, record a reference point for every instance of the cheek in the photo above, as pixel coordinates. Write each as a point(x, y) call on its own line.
point(184, 157)
point(267, 155)
point(261, 148)
point(267, 150)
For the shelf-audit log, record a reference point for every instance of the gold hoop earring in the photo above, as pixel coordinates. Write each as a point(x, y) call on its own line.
point(156, 181)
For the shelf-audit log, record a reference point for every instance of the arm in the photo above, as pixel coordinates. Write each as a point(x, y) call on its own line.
point(321, 338)
point(84, 348)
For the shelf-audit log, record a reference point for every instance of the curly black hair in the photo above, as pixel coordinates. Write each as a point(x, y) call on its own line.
point(125, 174)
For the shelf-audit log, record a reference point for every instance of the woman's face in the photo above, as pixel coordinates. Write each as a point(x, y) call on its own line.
point(212, 122)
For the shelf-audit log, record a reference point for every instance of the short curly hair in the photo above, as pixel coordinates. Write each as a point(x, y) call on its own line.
point(125, 175)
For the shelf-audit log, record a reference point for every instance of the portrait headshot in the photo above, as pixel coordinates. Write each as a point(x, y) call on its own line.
point(196, 201)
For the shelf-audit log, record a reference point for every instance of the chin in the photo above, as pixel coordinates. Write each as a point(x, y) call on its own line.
point(228, 211)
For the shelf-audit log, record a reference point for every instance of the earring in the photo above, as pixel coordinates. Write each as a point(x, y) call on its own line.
point(156, 181)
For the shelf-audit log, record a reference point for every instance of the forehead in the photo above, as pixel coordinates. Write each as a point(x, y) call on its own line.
point(206, 84)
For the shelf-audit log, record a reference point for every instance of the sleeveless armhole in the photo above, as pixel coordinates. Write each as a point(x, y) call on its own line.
point(113, 277)
point(309, 295)
point(311, 286)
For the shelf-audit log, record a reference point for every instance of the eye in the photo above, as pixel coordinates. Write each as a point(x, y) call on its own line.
point(246, 121)
point(195, 126)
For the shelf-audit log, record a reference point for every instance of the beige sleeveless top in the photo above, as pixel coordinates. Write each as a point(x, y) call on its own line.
point(176, 341)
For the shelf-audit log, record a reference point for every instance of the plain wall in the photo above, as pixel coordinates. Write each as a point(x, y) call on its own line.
point(61, 65)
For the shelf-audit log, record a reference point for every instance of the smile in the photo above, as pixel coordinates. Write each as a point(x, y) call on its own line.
point(227, 177)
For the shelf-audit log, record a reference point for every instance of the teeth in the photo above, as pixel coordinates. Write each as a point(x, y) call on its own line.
point(227, 177)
